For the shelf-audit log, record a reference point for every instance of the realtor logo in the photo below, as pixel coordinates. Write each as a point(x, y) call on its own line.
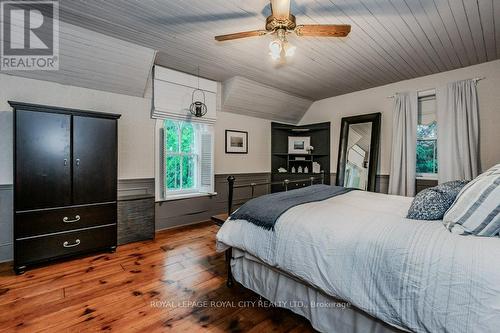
point(30, 35)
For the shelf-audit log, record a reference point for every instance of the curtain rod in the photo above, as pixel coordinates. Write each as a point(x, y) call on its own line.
point(476, 79)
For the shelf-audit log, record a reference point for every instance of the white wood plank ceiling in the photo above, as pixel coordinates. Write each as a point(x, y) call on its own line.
point(96, 61)
point(391, 40)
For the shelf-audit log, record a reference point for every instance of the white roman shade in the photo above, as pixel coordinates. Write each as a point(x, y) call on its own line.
point(172, 95)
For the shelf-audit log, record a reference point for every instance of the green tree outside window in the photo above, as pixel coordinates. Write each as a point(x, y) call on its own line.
point(427, 148)
point(180, 159)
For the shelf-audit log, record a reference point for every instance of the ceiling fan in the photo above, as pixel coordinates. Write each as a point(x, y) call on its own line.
point(281, 22)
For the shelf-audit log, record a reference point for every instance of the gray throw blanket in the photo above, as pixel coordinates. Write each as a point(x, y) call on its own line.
point(265, 210)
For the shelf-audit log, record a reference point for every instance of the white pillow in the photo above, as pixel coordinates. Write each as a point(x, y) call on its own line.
point(476, 209)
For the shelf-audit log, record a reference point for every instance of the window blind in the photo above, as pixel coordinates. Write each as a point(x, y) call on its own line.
point(163, 166)
point(206, 162)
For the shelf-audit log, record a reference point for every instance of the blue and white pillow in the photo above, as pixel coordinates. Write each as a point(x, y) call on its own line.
point(476, 210)
point(432, 203)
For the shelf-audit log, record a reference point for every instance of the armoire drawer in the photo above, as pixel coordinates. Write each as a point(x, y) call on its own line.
point(39, 249)
point(34, 223)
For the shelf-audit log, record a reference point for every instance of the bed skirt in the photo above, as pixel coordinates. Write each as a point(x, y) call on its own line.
point(325, 313)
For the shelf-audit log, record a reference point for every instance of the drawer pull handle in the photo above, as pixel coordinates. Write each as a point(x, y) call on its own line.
point(66, 244)
point(67, 220)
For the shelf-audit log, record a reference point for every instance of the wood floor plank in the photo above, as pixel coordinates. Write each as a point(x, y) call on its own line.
point(20, 306)
point(33, 287)
point(124, 291)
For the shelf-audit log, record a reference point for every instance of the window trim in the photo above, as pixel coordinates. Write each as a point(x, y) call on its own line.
point(427, 176)
point(182, 196)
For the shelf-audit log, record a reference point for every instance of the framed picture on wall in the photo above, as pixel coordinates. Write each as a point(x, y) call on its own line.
point(236, 142)
point(298, 144)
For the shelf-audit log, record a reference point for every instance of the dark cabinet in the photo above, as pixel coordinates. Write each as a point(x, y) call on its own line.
point(94, 160)
point(43, 160)
point(65, 183)
point(35, 222)
point(61, 245)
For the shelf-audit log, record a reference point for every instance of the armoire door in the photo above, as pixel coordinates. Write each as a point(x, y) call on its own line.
point(94, 160)
point(42, 160)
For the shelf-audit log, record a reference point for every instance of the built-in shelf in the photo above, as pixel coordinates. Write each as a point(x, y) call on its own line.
point(298, 173)
point(286, 154)
point(320, 139)
point(297, 130)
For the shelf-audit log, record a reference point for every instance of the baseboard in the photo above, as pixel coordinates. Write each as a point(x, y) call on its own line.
point(181, 226)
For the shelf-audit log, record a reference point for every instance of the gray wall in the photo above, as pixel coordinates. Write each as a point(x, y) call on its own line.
point(179, 212)
point(174, 213)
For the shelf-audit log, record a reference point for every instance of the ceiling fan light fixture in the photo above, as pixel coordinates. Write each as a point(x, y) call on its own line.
point(282, 22)
point(289, 49)
point(275, 48)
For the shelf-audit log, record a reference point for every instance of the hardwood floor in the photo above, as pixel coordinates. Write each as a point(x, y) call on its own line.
point(163, 285)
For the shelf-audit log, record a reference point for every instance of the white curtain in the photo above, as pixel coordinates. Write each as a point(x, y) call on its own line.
point(458, 131)
point(404, 142)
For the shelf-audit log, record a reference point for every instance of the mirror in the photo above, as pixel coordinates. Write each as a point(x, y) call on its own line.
point(358, 152)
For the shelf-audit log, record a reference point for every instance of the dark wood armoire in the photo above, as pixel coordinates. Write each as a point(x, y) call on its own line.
point(65, 183)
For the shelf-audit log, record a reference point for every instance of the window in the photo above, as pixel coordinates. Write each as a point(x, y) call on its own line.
point(186, 158)
point(427, 165)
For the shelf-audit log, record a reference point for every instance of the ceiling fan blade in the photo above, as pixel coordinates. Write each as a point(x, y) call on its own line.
point(239, 35)
point(323, 30)
point(280, 8)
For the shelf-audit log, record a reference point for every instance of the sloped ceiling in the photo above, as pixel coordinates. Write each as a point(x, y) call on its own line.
point(92, 60)
point(243, 96)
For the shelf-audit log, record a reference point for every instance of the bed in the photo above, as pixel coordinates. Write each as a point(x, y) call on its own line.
point(376, 270)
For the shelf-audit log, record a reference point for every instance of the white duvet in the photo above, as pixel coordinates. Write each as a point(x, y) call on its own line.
point(360, 247)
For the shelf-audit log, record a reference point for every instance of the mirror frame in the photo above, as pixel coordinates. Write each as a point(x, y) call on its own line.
point(373, 118)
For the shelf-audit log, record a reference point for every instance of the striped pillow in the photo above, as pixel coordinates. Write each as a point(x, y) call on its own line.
point(476, 209)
